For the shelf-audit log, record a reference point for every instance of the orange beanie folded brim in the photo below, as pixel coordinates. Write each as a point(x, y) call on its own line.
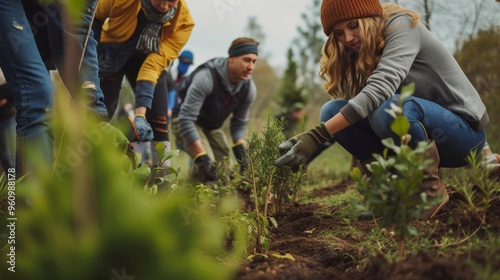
point(335, 11)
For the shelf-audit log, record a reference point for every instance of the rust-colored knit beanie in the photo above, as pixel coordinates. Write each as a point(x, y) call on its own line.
point(335, 11)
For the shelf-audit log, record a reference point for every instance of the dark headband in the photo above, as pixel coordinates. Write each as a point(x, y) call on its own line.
point(243, 49)
point(186, 60)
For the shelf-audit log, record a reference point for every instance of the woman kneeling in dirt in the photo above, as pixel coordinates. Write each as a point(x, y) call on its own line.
point(372, 51)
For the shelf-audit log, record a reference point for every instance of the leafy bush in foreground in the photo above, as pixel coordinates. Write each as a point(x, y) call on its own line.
point(89, 218)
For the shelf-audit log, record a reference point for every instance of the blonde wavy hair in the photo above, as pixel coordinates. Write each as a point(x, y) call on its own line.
point(345, 71)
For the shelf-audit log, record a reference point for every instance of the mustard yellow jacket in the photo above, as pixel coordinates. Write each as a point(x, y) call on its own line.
point(120, 21)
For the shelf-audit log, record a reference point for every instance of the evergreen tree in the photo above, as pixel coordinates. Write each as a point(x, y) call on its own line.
point(289, 93)
point(309, 45)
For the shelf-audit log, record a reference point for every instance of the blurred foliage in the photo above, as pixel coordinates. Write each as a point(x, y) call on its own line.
point(264, 75)
point(89, 218)
point(309, 45)
point(289, 93)
point(267, 82)
point(479, 57)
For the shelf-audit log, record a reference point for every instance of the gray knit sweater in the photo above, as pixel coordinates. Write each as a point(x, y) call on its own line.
point(200, 88)
point(416, 55)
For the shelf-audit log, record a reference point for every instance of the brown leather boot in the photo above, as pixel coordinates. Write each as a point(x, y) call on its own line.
point(433, 185)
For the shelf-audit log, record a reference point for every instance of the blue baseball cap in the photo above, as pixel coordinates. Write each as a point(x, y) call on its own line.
point(186, 57)
point(185, 60)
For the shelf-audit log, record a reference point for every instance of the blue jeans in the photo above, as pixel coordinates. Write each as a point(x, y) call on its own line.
point(30, 83)
point(454, 137)
point(8, 142)
point(88, 84)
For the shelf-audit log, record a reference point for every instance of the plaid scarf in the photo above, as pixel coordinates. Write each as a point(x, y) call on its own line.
point(149, 40)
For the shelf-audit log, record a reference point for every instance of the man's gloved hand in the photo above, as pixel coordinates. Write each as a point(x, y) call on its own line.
point(241, 156)
point(143, 129)
point(300, 147)
point(204, 168)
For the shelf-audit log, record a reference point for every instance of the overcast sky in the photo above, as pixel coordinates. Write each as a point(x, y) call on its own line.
point(219, 22)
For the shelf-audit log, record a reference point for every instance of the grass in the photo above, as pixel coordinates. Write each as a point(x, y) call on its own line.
point(333, 164)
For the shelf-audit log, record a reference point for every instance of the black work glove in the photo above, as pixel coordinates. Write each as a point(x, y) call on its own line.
point(204, 168)
point(300, 147)
point(241, 156)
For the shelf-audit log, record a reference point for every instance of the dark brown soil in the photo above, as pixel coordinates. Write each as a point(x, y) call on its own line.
point(318, 256)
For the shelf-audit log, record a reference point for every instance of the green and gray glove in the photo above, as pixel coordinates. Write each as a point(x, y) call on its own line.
point(300, 147)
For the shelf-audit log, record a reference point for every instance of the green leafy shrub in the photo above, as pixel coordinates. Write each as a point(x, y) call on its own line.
point(89, 218)
point(392, 191)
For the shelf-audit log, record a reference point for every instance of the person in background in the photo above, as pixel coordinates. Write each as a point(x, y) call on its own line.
point(292, 118)
point(148, 150)
point(175, 78)
point(373, 50)
point(185, 60)
point(138, 40)
point(219, 88)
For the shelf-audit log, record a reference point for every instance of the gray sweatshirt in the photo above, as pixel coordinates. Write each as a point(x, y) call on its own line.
point(416, 55)
point(200, 88)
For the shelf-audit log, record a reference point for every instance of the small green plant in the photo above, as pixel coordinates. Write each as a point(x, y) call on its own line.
point(270, 186)
point(478, 189)
point(280, 184)
point(171, 179)
point(256, 229)
point(392, 189)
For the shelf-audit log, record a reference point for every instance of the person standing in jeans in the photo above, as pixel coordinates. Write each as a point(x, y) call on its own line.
point(7, 127)
point(31, 87)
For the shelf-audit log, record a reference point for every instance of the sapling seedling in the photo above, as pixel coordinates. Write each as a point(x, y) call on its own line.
point(392, 191)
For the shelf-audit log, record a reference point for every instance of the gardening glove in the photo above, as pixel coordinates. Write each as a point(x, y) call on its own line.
point(204, 168)
point(300, 147)
point(135, 127)
point(241, 156)
point(143, 129)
